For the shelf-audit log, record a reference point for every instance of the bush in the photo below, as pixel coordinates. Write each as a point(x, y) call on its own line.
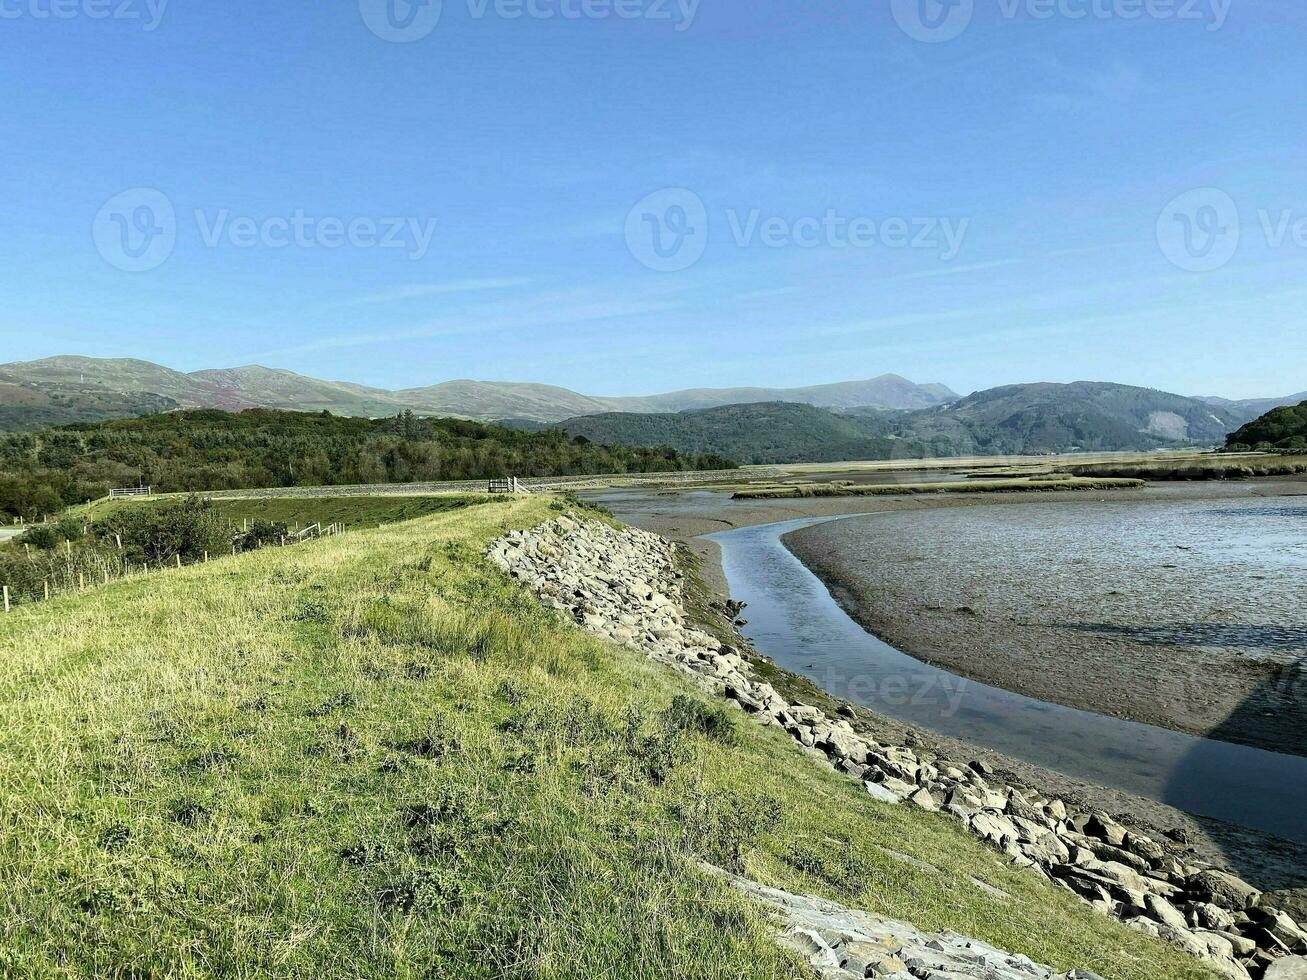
point(261, 533)
point(159, 533)
point(47, 536)
point(687, 714)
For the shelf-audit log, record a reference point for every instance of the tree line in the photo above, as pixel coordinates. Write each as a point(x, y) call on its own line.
point(209, 449)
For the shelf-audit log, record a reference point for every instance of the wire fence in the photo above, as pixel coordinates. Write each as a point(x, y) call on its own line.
point(63, 570)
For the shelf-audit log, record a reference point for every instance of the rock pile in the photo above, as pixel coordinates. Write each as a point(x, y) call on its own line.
point(625, 585)
point(841, 943)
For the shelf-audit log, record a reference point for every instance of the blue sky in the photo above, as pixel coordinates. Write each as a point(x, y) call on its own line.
point(696, 192)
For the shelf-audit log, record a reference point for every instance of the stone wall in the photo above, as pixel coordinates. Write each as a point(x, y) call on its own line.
point(625, 585)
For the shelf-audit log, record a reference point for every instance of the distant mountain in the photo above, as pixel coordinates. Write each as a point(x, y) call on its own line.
point(1247, 409)
point(1034, 418)
point(761, 432)
point(26, 405)
point(886, 391)
point(1283, 427)
point(500, 399)
point(231, 389)
point(87, 385)
point(1084, 415)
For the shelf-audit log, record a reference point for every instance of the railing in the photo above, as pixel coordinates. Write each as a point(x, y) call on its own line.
point(510, 485)
point(132, 492)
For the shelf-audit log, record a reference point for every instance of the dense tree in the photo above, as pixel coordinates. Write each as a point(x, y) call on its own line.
point(207, 449)
point(1280, 428)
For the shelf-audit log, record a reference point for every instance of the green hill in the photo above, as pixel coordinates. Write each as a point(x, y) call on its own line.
point(1280, 428)
point(768, 432)
point(1084, 415)
point(1036, 418)
point(208, 449)
point(26, 405)
point(376, 756)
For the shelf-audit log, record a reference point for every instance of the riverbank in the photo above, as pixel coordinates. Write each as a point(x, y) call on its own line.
point(1271, 862)
point(1138, 611)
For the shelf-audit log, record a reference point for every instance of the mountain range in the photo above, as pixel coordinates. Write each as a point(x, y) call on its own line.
point(883, 417)
point(1015, 419)
point(84, 384)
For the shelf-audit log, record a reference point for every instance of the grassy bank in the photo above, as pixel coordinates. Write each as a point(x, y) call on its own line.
point(349, 511)
point(969, 486)
point(1213, 467)
point(373, 756)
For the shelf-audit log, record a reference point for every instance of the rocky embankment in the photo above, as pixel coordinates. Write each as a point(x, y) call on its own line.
point(625, 585)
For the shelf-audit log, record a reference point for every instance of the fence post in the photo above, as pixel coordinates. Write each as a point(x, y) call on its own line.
point(179, 559)
point(6, 588)
point(106, 574)
point(206, 557)
point(81, 580)
point(46, 583)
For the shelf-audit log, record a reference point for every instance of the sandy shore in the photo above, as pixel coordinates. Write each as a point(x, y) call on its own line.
point(1268, 861)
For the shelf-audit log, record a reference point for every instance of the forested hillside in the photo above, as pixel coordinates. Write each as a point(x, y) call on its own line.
point(1280, 428)
point(207, 449)
point(1017, 419)
point(758, 433)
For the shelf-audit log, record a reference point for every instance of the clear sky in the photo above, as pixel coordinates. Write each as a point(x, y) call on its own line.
point(627, 196)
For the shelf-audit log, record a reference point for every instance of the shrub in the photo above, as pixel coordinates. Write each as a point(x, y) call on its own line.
point(47, 536)
point(687, 714)
point(188, 528)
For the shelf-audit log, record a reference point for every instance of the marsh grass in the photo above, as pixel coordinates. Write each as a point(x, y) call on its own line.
point(1215, 467)
point(377, 757)
point(970, 486)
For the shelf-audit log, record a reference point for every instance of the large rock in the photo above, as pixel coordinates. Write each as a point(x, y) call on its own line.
point(1289, 968)
point(1222, 890)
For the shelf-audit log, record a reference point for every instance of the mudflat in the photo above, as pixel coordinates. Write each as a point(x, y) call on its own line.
point(1183, 611)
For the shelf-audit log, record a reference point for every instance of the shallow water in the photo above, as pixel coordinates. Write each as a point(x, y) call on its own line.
point(794, 620)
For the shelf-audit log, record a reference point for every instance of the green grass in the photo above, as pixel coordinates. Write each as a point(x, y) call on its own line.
point(375, 756)
point(969, 486)
point(351, 510)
